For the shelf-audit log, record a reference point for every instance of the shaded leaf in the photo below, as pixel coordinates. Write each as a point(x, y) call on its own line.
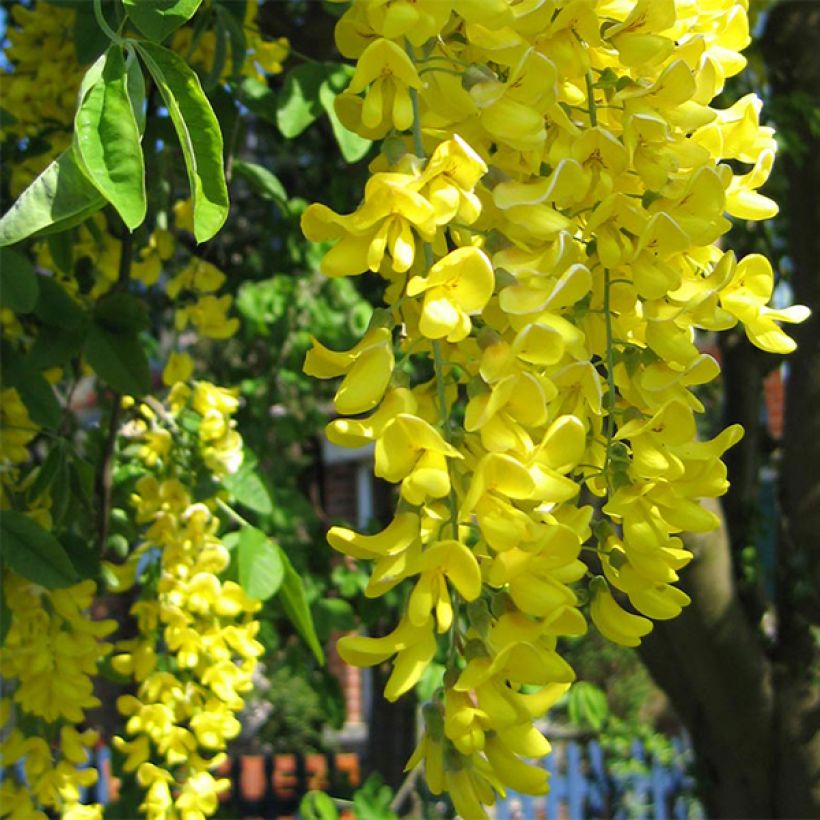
point(89, 39)
point(55, 307)
point(119, 360)
point(199, 135)
point(18, 282)
point(36, 393)
point(34, 553)
point(261, 570)
point(156, 19)
point(259, 98)
point(60, 198)
point(262, 181)
point(121, 313)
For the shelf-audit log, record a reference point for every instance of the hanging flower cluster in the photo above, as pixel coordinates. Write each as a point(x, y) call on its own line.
point(196, 649)
point(49, 659)
point(548, 235)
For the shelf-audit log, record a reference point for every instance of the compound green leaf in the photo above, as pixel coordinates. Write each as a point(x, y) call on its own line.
point(34, 553)
point(156, 19)
point(199, 136)
point(60, 198)
point(107, 139)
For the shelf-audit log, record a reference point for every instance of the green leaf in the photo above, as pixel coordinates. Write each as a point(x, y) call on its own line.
point(5, 618)
point(121, 313)
point(294, 602)
point(232, 24)
point(261, 570)
point(317, 805)
point(135, 85)
point(60, 198)
point(36, 393)
point(246, 486)
point(211, 79)
point(587, 705)
point(259, 98)
point(262, 181)
point(199, 135)
point(56, 347)
point(47, 471)
point(89, 39)
point(18, 282)
point(119, 360)
point(352, 146)
point(34, 553)
point(61, 248)
point(55, 307)
point(299, 102)
point(107, 139)
point(156, 19)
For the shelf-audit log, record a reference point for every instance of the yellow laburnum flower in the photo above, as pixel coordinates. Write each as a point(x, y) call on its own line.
point(443, 561)
point(367, 368)
point(386, 72)
point(457, 286)
point(746, 296)
point(613, 622)
point(413, 452)
point(414, 647)
point(384, 223)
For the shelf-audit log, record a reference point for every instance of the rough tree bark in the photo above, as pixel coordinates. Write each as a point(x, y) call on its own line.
point(751, 700)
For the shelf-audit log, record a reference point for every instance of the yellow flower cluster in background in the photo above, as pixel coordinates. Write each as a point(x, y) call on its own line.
point(547, 231)
point(196, 650)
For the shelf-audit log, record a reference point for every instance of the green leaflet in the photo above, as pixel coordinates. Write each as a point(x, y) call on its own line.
point(294, 602)
point(263, 182)
point(34, 553)
point(118, 359)
point(135, 84)
point(156, 19)
point(18, 282)
point(261, 569)
point(199, 135)
point(298, 104)
point(352, 146)
point(36, 393)
point(107, 139)
point(60, 198)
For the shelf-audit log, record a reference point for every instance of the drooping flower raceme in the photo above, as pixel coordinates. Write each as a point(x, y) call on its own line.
point(545, 213)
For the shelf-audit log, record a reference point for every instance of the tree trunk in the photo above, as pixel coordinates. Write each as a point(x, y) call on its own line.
point(751, 701)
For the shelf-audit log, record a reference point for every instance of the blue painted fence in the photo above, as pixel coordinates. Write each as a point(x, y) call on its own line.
point(584, 785)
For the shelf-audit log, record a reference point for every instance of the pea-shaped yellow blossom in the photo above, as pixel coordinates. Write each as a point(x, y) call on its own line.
point(367, 368)
point(746, 297)
point(458, 286)
point(413, 452)
point(443, 561)
point(387, 74)
point(414, 647)
point(384, 223)
point(614, 622)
